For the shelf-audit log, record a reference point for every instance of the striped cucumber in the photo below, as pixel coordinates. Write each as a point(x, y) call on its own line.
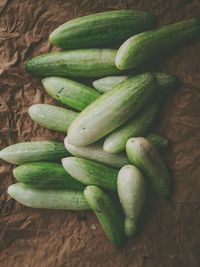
point(152, 44)
point(84, 63)
point(48, 199)
point(34, 151)
point(52, 117)
point(111, 110)
point(106, 28)
point(158, 140)
point(145, 156)
point(70, 93)
point(45, 175)
point(107, 214)
point(91, 173)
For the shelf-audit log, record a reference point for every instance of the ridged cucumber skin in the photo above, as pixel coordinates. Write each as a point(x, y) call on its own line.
point(45, 175)
point(65, 199)
point(70, 93)
point(151, 44)
point(91, 173)
point(34, 151)
point(95, 152)
point(145, 156)
point(85, 63)
point(109, 217)
point(111, 110)
point(52, 117)
point(106, 28)
point(132, 194)
point(158, 140)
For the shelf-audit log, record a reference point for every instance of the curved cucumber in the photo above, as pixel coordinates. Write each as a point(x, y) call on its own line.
point(34, 151)
point(91, 173)
point(100, 29)
point(52, 117)
point(70, 93)
point(107, 214)
point(145, 156)
point(45, 175)
point(111, 110)
point(152, 44)
point(131, 190)
point(48, 199)
point(75, 63)
point(158, 140)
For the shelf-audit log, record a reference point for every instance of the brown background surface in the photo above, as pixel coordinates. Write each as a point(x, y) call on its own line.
point(35, 238)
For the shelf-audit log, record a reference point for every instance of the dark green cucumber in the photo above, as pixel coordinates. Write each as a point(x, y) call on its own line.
point(152, 44)
point(75, 63)
point(45, 175)
point(91, 173)
point(106, 28)
point(34, 151)
point(107, 214)
point(158, 140)
point(111, 110)
point(52, 117)
point(70, 93)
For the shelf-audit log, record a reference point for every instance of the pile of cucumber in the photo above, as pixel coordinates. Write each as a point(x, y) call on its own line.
point(110, 152)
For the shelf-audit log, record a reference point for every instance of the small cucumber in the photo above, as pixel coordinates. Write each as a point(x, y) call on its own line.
point(48, 199)
point(52, 117)
point(158, 140)
point(34, 151)
point(111, 110)
point(145, 156)
point(70, 93)
point(91, 173)
point(109, 217)
point(132, 191)
point(45, 175)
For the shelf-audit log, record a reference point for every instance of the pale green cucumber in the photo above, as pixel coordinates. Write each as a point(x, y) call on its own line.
point(52, 117)
point(86, 63)
point(145, 156)
point(132, 193)
point(91, 173)
point(109, 217)
point(48, 199)
point(34, 151)
point(158, 140)
point(70, 93)
point(45, 175)
point(111, 110)
point(150, 45)
point(95, 152)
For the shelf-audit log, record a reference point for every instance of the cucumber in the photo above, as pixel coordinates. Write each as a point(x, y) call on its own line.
point(111, 110)
point(52, 117)
point(34, 151)
point(152, 44)
point(45, 175)
point(132, 193)
point(48, 199)
point(70, 93)
point(84, 63)
point(91, 173)
point(106, 28)
point(145, 156)
point(158, 140)
point(107, 214)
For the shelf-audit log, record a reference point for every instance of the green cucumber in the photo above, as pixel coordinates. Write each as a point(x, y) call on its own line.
point(150, 45)
point(158, 140)
point(52, 117)
point(145, 156)
point(106, 28)
point(111, 110)
point(84, 63)
point(132, 193)
point(45, 175)
point(70, 93)
point(91, 173)
point(107, 214)
point(34, 151)
point(48, 199)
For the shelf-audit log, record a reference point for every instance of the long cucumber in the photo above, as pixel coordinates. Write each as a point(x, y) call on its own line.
point(158, 140)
